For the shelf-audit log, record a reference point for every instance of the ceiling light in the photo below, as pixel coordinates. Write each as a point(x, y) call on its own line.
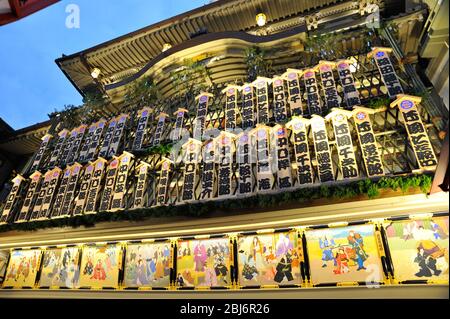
point(95, 73)
point(261, 19)
point(166, 47)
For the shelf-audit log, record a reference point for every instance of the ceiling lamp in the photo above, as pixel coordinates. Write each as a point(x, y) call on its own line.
point(95, 73)
point(261, 19)
point(166, 47)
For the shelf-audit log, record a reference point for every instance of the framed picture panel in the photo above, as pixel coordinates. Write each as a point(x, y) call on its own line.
point(269, 259)
point(22, 268)
point(344, 254)
point(100, 266)
point(204, 263)
point(4, 256)
point(147, 265)
point(60, 267)
point(419, 249)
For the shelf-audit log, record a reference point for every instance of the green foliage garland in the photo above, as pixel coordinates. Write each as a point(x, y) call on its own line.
point(367, 187)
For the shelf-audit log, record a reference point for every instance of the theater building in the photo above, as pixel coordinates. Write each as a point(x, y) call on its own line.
point(244, 149)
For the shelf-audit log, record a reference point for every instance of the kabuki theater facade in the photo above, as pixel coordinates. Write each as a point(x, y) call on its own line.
point(244, 149)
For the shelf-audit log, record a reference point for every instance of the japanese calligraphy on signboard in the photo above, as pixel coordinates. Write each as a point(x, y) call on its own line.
point(140, 197)
point(244, 159)
point(125, 162)
point(351, 94)
point(367, 141)
point(283, 161)
point(298, 127)
point(344, 144)
point(225, 149)
point(118, 132)
point(261, 85)
point(57, 205)
point(68, 146)
point(17, 181)
point(322, 149)
point(40, 153)
point(179, 124)
point(70, 191)
point(417, 132)
point(108, 137)
point(93, 193)
point(202, 112)
point(73, 153)
point(82, 156)
point(231, 109)
point(279, 100)
point(248, 117)
point(101, 124)
point(54, 157)
point(110, 182)
point(35, 182)
point(312, 92)
point(264, 174)
point(293, 88)
point(163, 183)
point(387, 70)
point(143, 117)
point(192, 149)
point(80, 200)
point(159, 128)
point(45, 196)
point(208, 171)
point(332, 98)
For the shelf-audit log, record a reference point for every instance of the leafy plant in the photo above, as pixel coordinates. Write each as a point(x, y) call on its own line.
point(143, 92)
point(190, 76)
point(379, 103)
point(257, 63)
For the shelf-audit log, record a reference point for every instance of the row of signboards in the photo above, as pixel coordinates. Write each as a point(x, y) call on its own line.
point(396, 251)
point(260, 160)
point(103, 138)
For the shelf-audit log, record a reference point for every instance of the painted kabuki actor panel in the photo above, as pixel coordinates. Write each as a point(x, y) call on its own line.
point(4, 256)
point(60, 267)
point(204, 263)
point(100, 266)
point(148, 265)
point(419, 249)
point(344, 254)
point(270, 259)
point(22, 268)
point(387, 251)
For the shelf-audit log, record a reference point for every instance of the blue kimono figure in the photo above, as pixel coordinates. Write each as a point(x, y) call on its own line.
point(327, 250)
point(356, 242)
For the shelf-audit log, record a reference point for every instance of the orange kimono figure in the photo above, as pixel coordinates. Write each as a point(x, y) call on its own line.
point(342, 262)
point(99, 271)
point(159, 273)
point(13, 272)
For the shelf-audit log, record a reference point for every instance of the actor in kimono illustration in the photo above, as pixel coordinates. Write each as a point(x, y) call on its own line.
point(159, 271)
point(200, 256)
point(283, 245)
point(356, 242)
point(256, 251)
point(220, 267)
point(427, 254)
point(141, 277)
point(89, 267)
point(327, 250)
point(284, 268)
point(99, 271)
point(249, 270)
point(341, 261)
